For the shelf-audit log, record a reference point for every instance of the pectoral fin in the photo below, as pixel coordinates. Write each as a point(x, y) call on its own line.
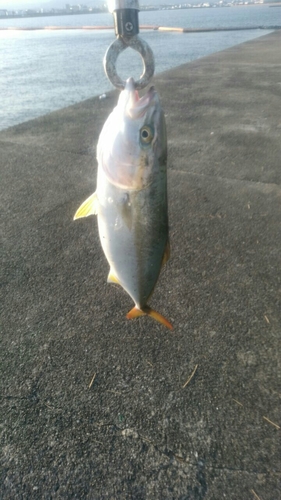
point(88, 207)
point(135, 313)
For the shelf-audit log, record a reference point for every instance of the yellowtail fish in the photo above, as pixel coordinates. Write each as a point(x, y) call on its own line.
point(131, 196)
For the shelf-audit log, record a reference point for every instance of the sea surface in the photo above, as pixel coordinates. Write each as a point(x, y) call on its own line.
point(41, 71)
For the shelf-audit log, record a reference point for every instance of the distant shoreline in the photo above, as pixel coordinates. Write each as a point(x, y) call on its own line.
point(56, 14)
point(144, 27)
point(49, 14)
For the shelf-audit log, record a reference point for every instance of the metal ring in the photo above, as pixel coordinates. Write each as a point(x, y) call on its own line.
point(112, 53)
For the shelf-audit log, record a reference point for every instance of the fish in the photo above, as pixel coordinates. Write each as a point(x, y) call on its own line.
point(131, 200)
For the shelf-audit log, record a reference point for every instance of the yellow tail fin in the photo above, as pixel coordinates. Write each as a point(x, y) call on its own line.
point(135, 313)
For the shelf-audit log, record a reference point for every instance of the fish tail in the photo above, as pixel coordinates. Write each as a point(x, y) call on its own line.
point(146, 310)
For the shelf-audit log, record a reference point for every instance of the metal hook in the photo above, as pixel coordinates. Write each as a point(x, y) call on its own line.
point(112, 53)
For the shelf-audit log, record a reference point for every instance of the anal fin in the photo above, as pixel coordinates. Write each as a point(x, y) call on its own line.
point(135, 313)
point(88, 207)
point(111, 278)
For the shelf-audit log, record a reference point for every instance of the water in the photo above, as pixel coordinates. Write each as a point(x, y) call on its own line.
point(41, 71)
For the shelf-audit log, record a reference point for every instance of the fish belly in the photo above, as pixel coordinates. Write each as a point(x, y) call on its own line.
point(133, 230)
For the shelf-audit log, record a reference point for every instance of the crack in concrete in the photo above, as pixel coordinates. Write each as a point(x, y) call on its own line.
point(168, 453)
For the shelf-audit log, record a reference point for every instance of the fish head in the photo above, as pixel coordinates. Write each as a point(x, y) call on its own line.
point(132, 145)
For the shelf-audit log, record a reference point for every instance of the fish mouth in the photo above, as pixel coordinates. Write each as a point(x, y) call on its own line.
point(137, 106)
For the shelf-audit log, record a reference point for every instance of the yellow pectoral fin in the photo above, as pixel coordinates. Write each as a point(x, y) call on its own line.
point(135, 313)
point(89, 207)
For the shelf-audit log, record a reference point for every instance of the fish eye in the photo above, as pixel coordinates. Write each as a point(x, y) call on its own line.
point(146, 135)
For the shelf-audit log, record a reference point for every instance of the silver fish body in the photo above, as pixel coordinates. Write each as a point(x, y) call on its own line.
point(131, 196)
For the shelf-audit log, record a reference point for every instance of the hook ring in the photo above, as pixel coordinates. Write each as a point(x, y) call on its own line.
point(112, 53)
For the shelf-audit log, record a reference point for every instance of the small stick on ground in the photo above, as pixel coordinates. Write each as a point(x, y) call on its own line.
point(147, 440)
point(191, 376)
point(114, 392)
point(92, 381)
point(238, 402)
point(255, 495)
point(272, 423)
point(266, 318)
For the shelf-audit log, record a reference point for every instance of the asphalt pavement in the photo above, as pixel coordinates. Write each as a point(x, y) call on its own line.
point(94, 406)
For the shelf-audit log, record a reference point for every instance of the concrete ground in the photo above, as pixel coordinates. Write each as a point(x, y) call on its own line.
point(93, 405)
